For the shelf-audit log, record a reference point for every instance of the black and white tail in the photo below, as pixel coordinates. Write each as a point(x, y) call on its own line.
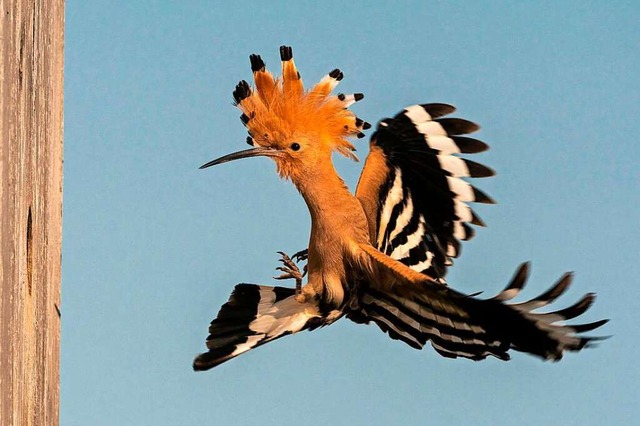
point(253, 316)
point(458, 325)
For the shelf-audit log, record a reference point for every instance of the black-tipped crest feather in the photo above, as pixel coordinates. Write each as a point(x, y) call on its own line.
point(415, 196)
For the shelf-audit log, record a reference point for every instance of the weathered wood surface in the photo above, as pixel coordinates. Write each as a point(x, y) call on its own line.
point(31, 100)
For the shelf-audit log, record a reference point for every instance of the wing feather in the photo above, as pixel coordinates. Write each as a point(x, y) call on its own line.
point(458, 325)
point(413, 191)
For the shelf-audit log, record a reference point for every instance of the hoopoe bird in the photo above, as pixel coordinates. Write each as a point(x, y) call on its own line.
point(380, 255)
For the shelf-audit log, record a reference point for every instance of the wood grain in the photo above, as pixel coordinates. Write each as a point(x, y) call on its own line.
point(31, 128)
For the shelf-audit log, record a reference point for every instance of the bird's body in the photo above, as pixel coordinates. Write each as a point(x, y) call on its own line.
point(379, 255)
point(335, 238)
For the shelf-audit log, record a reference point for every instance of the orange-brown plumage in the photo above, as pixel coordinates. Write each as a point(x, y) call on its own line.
point(279, 110)
point(379, 255)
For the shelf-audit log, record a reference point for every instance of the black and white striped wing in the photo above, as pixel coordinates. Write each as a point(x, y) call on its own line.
point(255, 315)
point(412, 187)
point(458, 325)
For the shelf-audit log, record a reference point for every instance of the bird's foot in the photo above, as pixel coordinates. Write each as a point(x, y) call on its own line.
point(301, 255)
point(290, 270)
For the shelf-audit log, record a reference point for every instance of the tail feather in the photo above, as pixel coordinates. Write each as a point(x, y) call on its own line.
point(253, 316)
point(458, 325)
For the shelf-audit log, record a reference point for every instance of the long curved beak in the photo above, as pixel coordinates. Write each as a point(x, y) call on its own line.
point(252, 152)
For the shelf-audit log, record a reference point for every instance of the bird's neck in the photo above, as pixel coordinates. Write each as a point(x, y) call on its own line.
point(325, 193)
point(338, 224)
point(337, 217)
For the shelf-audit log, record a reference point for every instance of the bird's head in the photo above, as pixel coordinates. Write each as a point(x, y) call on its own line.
point(295, 127)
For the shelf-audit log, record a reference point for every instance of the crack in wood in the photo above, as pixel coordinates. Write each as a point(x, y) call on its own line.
point(29, 252)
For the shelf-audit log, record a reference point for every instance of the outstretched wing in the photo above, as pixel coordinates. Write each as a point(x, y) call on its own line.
point(253, 316)
point(411, 187)
point(458, 325)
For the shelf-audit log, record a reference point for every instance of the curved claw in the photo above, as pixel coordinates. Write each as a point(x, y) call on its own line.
point(290, 270)
point(284, 257)
point(288, 273)
point(301, 255)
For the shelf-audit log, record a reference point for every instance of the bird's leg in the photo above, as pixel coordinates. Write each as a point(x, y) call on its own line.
point(300, 256)
point(291, 270)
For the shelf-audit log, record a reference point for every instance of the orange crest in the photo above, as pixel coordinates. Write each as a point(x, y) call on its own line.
point(279, 109)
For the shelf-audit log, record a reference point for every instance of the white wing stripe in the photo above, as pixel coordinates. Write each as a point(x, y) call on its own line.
point(434, 332)
point(413, 241)
point(459, 231)
point(251, 342)
point(443, 144)
point(403, 219)
point(454, 165)
point(463, 211)
point(417, 114)
point(423, 265)
point(431, 128)
point(393, 198)
point(463, 191)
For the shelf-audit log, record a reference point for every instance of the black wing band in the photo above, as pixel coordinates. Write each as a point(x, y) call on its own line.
point(423, 212)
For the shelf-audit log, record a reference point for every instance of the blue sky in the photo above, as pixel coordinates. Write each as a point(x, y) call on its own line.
point(153, 246)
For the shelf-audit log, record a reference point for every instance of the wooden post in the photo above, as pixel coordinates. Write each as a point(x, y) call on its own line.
point(31, 71)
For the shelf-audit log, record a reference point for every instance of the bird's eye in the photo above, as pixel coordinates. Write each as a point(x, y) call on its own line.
point(295, 146)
